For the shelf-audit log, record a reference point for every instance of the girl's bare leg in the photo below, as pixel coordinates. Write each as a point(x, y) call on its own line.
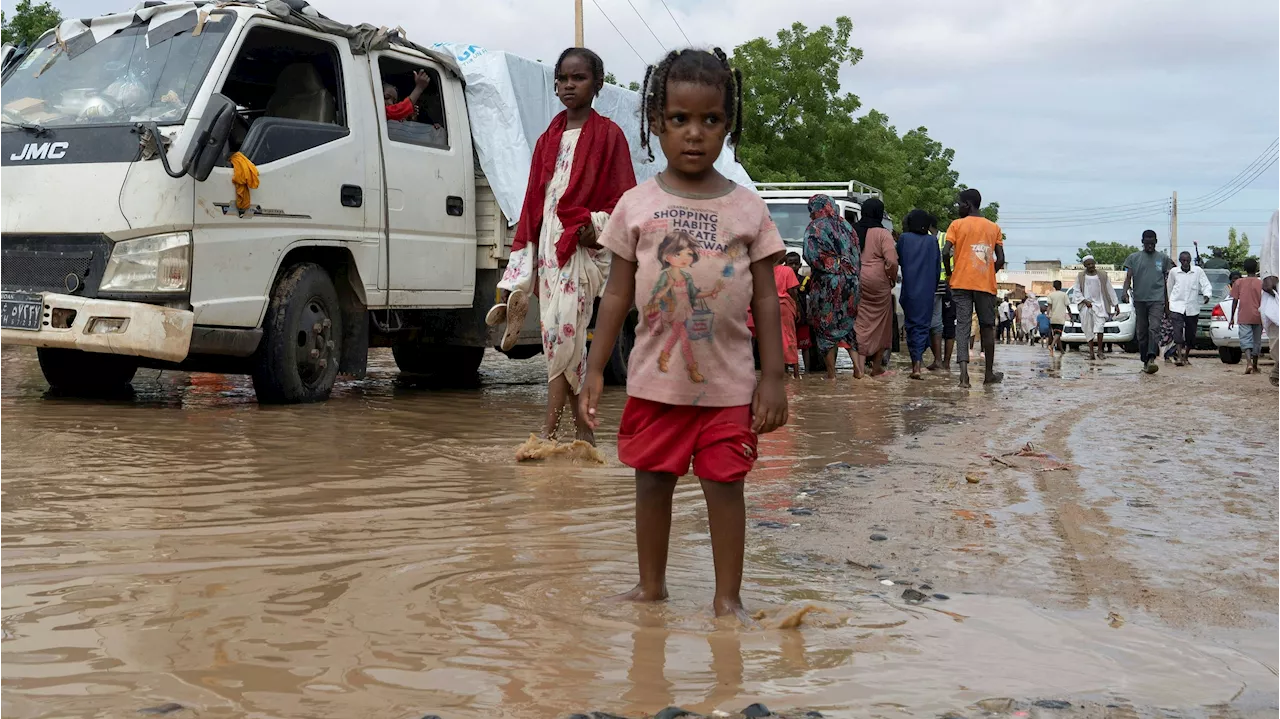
point(727, 514)
point(830, 357)
point(557, 395)
point(859, 368)
point(653, 533)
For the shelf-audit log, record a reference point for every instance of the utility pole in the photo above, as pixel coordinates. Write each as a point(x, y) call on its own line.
point(1173, 230)
point(577, 24)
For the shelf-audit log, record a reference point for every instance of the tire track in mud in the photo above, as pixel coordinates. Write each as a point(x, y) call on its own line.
point(1085, 532)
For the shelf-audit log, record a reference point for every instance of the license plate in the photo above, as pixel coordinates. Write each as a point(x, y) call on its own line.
point(20, 310)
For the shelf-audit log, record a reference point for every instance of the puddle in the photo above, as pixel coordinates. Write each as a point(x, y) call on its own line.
point(382, 555)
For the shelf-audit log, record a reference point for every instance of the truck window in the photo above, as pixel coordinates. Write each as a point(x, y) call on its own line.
point(288, 91)
point(427, 126)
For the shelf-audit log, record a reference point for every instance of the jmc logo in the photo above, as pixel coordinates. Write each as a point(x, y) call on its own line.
point(41, 151)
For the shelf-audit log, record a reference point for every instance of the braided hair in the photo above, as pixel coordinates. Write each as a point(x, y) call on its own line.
point(597, 65)
point(705, 68)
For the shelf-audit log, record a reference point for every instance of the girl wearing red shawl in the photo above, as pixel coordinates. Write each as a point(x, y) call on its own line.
point(581, 166)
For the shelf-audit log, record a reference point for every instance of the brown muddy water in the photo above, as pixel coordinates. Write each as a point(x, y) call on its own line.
point(381, 555)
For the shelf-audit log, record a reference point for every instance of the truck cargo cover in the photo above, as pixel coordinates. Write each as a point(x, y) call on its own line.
point(166, 18)
point(511, 101)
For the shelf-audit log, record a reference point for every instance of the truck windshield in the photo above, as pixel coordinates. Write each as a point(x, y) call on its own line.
point(792, 219)
point(117, 80)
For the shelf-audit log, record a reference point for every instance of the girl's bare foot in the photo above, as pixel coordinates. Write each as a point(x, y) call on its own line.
point(732, 608)
point(586, 434)
point(640, 594)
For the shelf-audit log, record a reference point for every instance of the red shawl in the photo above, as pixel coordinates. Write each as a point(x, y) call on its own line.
point(601, 172)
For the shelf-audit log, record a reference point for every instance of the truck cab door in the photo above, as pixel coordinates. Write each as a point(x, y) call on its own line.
point(430, 186)
point(294, 103)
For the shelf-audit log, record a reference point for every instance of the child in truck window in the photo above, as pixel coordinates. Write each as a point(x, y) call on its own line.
point(581, 166)
point(693, 250)
point(406, 108)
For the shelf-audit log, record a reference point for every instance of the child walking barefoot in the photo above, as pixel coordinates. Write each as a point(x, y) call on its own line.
point(692, 250)
point(581, 166)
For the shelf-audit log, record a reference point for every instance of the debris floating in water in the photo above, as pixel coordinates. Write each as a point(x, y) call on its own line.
point(576, 452)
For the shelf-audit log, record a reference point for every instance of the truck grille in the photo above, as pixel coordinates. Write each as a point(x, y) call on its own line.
point(66, 264)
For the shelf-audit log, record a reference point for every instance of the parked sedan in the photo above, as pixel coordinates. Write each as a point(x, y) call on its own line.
point(1120, 330)
point(1227, 340)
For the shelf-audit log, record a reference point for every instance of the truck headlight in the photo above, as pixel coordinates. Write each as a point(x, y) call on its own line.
point(150, 264)
point(1122, 317)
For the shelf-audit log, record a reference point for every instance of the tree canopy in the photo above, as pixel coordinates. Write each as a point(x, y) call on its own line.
point(29, 22)
point(798, 125)
point(1236, 251)
point(1106, 253)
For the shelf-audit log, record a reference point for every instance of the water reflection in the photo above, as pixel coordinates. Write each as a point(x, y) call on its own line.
point(381, 555)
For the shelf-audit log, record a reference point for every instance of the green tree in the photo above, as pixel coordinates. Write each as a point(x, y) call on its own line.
point(1236, 251)
point(799, 126)
point(611, 78)
point(633, 86)
point(29, 22)
point(1106, 253)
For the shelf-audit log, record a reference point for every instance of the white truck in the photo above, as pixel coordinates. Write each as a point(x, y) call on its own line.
point(788, 205)
point(360, 231)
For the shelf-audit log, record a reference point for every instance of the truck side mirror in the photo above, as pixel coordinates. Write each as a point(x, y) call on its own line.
point(210, 141)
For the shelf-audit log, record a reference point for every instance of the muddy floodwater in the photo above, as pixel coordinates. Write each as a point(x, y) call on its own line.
point(382, 555)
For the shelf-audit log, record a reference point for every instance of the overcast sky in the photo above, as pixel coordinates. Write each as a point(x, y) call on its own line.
point(1052, 106)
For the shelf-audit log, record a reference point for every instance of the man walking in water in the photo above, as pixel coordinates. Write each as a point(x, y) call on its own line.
point(1096, 300)
point(1059, 313)
point(1188, 289)
point(1145, 272)
point(973, 255)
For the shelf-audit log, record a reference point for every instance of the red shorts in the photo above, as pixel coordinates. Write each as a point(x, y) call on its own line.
point(657, 437)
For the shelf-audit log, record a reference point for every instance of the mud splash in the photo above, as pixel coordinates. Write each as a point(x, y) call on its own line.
point(382, 555)
point(576, 452)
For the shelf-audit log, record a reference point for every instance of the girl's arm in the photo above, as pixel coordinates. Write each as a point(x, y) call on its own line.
point(619, 293)
point(769, 406)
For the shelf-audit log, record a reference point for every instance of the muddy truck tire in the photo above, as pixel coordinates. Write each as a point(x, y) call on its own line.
point(430, 359)
point(301, 338)
point(85, 373)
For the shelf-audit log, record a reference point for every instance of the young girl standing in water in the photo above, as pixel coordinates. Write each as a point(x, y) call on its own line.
point(706, 246)
point(581, 166)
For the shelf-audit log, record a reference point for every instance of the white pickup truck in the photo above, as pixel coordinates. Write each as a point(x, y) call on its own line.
point(118, 253)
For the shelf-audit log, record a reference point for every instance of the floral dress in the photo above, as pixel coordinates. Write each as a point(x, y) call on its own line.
point(832, 252)
point(566, 295)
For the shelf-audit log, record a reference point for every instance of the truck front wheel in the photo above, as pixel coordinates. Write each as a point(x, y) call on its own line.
point(77, 372)
point(302, 337)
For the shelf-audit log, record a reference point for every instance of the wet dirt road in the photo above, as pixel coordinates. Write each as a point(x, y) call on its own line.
point(381, 555)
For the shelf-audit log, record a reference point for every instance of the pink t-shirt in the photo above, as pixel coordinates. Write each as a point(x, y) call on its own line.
point(693, 289)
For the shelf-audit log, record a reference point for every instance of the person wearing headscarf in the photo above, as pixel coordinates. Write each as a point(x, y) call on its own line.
point(920, 259)
point(831, 249)
point(874, 325)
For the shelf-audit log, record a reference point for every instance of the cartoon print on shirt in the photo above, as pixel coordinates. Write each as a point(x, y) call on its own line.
point(678, 305)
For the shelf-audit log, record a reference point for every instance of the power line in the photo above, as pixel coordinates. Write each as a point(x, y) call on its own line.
point(1109, 214)
point(615, 29)
point(673, 19)
point(646, 25)
point(1268, 154)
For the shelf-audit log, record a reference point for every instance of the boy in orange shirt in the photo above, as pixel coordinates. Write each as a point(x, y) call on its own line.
point(973, 255)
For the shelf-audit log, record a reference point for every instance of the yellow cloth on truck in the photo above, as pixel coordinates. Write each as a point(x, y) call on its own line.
point(245, 177)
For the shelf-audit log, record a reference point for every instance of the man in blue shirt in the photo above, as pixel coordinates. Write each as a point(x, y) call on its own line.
point(1145, 272)
point(1042, 323)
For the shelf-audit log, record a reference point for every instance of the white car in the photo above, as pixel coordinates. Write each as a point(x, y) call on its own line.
point(1227, 340)
point(1120, 330)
